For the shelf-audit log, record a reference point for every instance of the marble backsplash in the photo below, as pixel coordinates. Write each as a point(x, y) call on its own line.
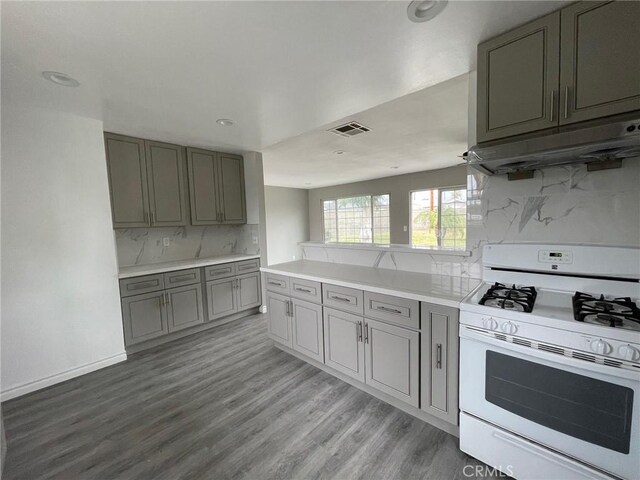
point(560, 205)
point(141, 246)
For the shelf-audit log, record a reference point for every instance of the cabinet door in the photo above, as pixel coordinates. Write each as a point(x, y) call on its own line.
point(221, 298)
point(392, 360)
point(127, 169)
point(278, 308)
point(203, 187)
point(440, 361)
point(184, 307)
point(518, 75)
point(232, 199)
point(144, 317)
point(600, 63)
point(343, 347)
point(248, 288)
point(165, 173)
point(307, 329)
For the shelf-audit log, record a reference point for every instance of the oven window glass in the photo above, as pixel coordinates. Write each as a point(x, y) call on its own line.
point(592, 410)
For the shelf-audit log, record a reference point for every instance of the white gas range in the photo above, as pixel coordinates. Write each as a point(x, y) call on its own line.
point(550, 362)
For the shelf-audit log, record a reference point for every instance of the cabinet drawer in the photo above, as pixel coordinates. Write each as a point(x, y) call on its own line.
point(343, 298)
point(137, 285)
point(182, 277)
point(247, 266)
point(401, 311)
point(277, 283)
point(306, 290)
point(220, 271)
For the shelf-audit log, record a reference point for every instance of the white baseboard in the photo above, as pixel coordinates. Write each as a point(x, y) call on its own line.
point(60, 377)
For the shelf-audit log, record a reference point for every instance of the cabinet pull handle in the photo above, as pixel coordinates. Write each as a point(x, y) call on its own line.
point(359, 331)
point(566, 102)
point(286, 310)
point(180, 278)
point(153, 218)
point(439, 356)
point(147, 284)
point(342, 299)
point(163, 302)
point(552, 105)
point(272, 282)
point(305, 290)
point(387, 309)
point(366, 333)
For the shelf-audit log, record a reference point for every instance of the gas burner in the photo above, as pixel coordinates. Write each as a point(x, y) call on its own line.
point(611, 312)
point(520, 299)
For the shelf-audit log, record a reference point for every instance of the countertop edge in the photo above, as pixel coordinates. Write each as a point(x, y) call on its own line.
point(371, 288)
point(181, 265)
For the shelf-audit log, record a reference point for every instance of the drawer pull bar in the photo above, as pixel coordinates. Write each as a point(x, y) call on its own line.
point(387, 309)
point(137, 286)
point(305, 290)
point(246, 267)
point(278, 284)
point(181, 278)
point(218, 272)
point(439, 356)
point(341, 299)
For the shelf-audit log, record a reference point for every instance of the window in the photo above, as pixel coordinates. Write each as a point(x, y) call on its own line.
point(439, 218)
point(362, 219)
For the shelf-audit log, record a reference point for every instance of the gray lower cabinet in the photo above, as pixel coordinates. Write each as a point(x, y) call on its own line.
point(518, 80)
point(146, 181)
point(439, 351)
point(392, 360)
point(343, 343)
point(184, 307)
point(307, 329)
point(249, 291)
point(278, 308)
point(144, 317)
point(599, 63)
point(221, 298)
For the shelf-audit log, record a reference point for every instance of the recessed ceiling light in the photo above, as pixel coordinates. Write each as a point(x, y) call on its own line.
point(225, 122)
point(61, 79)
point(424, 10)
point(338, 152)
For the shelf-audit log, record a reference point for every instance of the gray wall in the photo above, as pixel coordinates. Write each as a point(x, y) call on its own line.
point(398, 187)
point(287, 212)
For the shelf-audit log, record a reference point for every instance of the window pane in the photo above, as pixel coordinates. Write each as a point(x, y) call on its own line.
point(381, 230)
point(453, 218)
point(424, 218)
point(329, 215)
point(354, 219)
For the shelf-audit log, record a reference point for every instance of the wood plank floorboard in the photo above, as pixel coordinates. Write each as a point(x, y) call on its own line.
point(221, 404)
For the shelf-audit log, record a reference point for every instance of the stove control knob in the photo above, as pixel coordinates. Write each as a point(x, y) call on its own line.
point(601, 347)
point(509, 328)
point(489, 323)
point(629, 352)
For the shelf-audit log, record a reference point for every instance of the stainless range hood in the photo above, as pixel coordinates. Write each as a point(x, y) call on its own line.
point(601, 146)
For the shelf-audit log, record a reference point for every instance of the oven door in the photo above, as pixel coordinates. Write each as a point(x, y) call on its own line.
point(582, 409)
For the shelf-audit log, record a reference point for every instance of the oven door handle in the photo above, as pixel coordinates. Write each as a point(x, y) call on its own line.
point(560, 361)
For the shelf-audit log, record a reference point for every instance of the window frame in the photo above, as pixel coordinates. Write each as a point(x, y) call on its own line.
point(439, 238)
point(335, 199)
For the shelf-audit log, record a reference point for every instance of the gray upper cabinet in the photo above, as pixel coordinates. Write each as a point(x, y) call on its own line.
point(127, 170)
point(216, 187)
point(518, 80)
point(147, 182)
point(232, 196)
point(440, 361)
point(600, 63)
point(166, 180)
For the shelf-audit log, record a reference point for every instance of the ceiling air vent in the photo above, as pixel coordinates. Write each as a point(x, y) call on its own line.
point(350, 129)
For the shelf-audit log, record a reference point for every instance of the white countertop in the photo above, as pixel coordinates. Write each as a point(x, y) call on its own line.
point(150, 269)
point(440, 289)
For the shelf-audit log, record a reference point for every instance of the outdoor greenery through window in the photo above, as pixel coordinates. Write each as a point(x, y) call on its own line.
point(361, 219)
point(439, 218)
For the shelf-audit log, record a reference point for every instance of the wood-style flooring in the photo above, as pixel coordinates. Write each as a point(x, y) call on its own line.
point(221, 404)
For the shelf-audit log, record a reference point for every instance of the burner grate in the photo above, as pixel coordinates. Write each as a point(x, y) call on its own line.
point(520, 299)
point(619, 312)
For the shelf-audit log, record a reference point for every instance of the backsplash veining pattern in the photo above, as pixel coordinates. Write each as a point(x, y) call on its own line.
point(141, 246)
point(563, 204)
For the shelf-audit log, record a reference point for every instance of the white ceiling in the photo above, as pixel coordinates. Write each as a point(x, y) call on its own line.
point(420, 131)
point(168, 70)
